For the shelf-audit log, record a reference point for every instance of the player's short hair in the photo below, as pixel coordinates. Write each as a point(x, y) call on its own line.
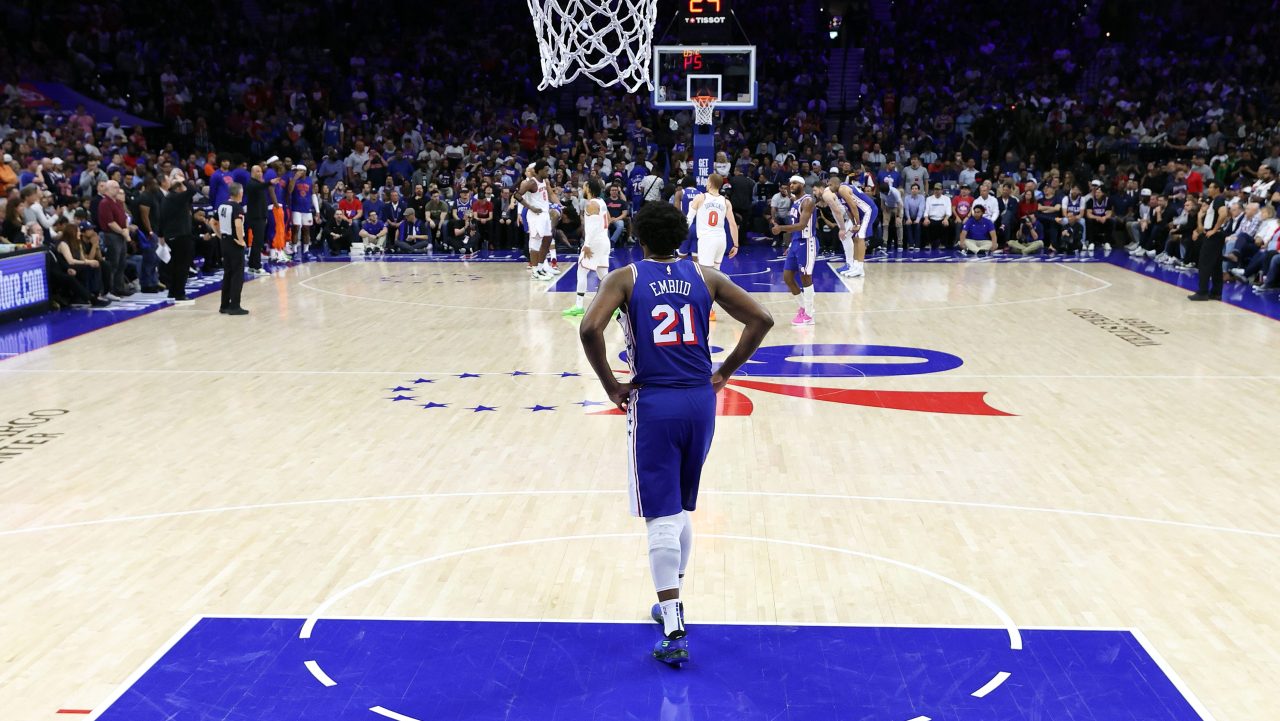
point(661, 227)
point(715, 180)
point(689, 182)
point(540, 166)
point(596, 187)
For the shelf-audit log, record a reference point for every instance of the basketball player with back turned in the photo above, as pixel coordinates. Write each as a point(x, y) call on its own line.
point(670, 401)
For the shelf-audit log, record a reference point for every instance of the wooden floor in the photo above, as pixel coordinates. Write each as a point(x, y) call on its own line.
point(215, 465)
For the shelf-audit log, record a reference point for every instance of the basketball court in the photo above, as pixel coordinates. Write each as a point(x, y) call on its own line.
point(974, 490)
point(396, 491)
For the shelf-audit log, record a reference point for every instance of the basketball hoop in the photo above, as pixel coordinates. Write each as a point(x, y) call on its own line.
point(704, 109)
point(608, 41)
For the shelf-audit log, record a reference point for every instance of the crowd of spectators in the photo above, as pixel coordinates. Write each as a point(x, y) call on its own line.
point(1066, 138)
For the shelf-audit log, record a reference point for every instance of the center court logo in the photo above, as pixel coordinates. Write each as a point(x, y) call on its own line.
point(831, 363)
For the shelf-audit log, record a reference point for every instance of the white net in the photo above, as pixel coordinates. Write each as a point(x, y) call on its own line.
point(609, 41)
point(704, 109)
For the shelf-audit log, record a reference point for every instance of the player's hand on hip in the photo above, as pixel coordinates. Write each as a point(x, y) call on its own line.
point(719, 381)
point(621, 395)
point(586, 252)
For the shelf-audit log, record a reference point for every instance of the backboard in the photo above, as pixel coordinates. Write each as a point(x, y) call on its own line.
point(727, 72)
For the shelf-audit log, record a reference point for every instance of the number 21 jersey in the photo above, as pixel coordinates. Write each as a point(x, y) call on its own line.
point(665, 321)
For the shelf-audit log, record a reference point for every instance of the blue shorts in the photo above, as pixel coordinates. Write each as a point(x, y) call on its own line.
point(690, 241)
point(801, 256)
point(670, 431)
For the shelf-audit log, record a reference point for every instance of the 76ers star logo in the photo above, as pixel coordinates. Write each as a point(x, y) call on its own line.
point(831, 363)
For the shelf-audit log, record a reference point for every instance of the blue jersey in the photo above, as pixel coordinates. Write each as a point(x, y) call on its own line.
point(219, 187)
point(665, 321)
point(867, 210)
point(300, 201)
point(686, 197)
point(807, 231)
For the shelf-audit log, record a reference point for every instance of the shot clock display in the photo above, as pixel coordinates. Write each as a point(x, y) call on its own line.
point(705, 21)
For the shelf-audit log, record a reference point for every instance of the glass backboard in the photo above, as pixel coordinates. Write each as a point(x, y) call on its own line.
point(727, 72)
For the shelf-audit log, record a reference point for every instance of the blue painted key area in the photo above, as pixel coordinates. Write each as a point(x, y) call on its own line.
point(241, 669)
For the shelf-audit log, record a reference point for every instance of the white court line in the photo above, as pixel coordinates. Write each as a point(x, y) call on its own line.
point(921, 718)
point(1172, 675)
point(584, 492)
point(645, 620)
point(303, 284)
point(146, 666)
point(1105, 285)
point(991, 685)
point(1015, 636)
point(391, 714)
point(319, 673)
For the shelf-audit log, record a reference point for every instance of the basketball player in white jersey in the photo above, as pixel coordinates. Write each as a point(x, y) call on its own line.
point(595, 243)
point(710, 214)
point(533, 195)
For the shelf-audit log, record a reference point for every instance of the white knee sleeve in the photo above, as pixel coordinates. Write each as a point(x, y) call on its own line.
point(664, 551)
point(686, 541)
point(582, 278)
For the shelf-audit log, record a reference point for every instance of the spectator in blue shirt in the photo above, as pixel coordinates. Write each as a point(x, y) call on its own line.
point(374, 233)
point(889, 174)
point(414, 237)
point(393, 212)
point(978, 234)
point(401, 167)
point(371, 202)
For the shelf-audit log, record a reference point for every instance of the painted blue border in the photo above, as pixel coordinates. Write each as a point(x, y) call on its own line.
point(257, 668)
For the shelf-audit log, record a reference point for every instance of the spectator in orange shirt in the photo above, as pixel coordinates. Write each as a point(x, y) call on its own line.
point(8, 174)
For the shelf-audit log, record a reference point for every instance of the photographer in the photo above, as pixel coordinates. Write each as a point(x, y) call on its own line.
point(1029, 237)
point(482, 212)
point(462, 236)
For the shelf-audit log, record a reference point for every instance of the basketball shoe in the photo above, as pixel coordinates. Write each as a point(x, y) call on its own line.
point(674, 650)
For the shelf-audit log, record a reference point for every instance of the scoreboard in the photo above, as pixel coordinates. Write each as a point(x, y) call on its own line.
point(705, 21)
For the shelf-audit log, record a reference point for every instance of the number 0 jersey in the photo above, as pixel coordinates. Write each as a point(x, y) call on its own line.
point(709, 219)
point(665, 321)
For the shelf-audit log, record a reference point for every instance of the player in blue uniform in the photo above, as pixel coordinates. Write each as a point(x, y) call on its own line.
point(860, 213)
point(301, 208)
point(803, 252)
point(682, 199)
point(671, 397)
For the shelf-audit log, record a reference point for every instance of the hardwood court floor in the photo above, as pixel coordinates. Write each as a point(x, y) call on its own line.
point(213, 465)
